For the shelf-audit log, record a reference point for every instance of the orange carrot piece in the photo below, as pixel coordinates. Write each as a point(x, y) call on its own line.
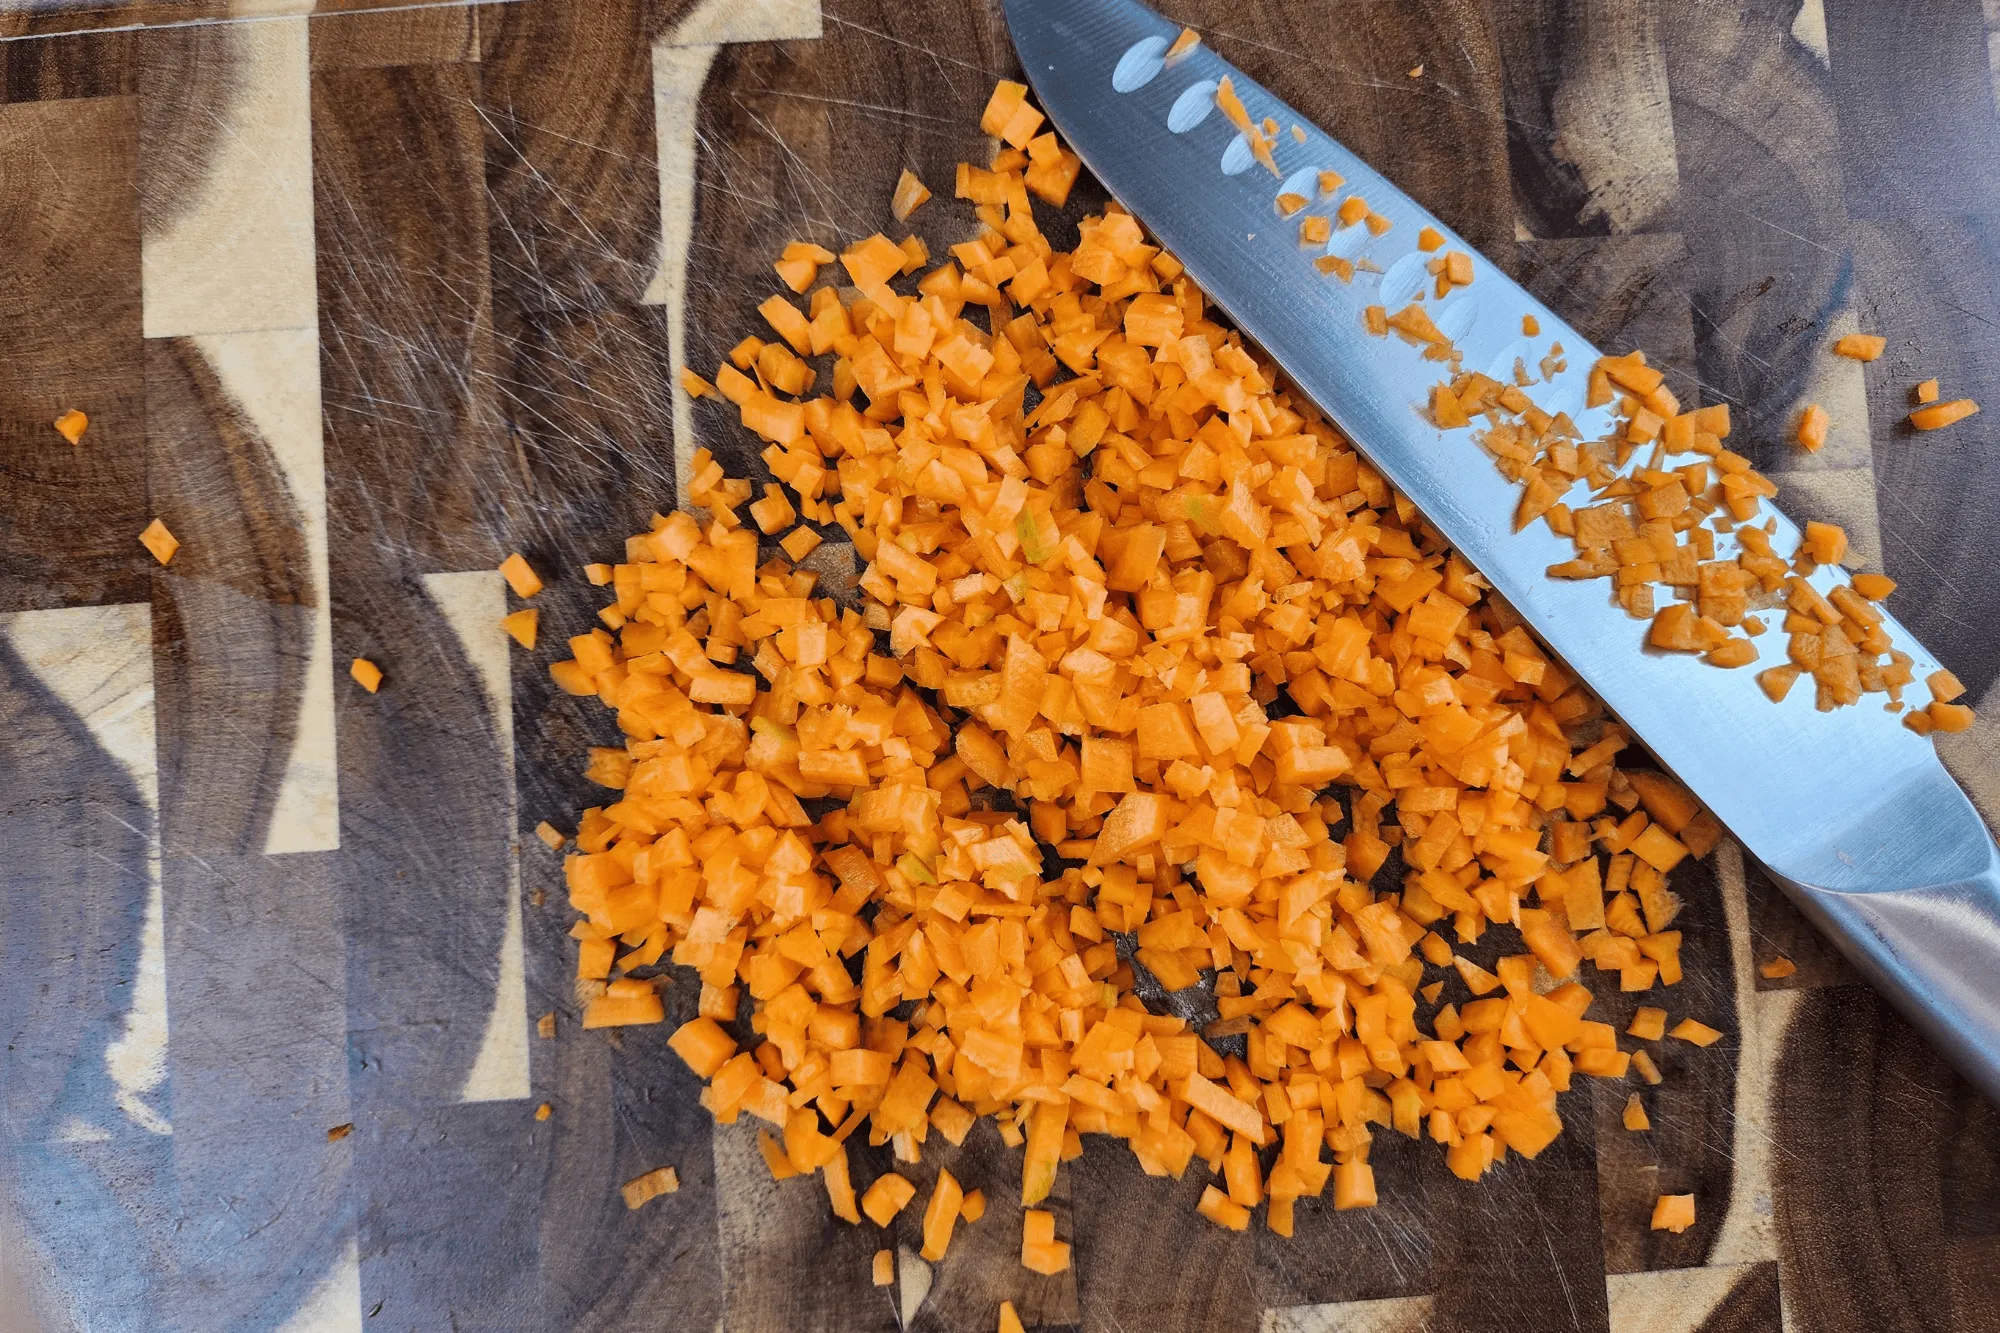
point(1860, 346)
point(161, 543)
point(366, 674)
point(71, 426)
point(1939, 415)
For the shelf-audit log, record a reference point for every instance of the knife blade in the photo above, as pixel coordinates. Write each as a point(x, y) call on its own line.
point(1850, 811)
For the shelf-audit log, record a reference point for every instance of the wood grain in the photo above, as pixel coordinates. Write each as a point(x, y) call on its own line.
point(69, 337)
point(488, 204)
point(432, 34)
point(231, 616)
point(1590, 132)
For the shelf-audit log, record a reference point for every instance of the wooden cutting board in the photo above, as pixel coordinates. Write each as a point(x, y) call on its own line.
point(360, 303)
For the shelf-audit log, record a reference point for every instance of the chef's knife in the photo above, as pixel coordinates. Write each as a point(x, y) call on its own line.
point(1850, 811)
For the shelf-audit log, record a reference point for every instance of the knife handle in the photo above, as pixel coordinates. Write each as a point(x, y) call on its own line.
point(1933, 951)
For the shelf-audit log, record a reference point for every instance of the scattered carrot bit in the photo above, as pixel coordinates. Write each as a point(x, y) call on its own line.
point(1777, 968)
point(544, 1111)
point(339, 1132)
point(1926, 391)
point(1298, 134)
point(1826, 541)
point(598, 574)
point(1417, 72)
point(1010, 1320)
point(1875, 587)
point(1950, 718)
point(1530, 326)
point(159, 541)
point(1339, 268)
point(1701, 1034)
point(71, 426)
point(545, 1026)
point(1860, 346)
point(884, 1269)
point(1429, 239)
point(1940, 415)
point(910, 194)
point(1811, 432)
point(1316, 231)
point(1943, 685)
point(1635, 1114)
point(1187, 40)
point(521, 625)
point(551, 835)
point(1329, 181)
point(1648, 1023)
point(523, 580)
point(366, 674)
point(1673, 1212)
point(642, 1190)
point(1289, 203)
point(1643, 1066)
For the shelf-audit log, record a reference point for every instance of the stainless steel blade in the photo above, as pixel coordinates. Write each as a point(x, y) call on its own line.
point(1849, 808)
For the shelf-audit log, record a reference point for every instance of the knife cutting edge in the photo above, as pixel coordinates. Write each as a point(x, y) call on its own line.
point(1850, 811)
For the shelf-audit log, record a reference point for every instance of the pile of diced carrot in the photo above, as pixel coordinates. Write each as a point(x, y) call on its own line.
point(1151, 674)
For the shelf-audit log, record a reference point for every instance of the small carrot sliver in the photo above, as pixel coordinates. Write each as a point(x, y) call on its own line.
point(71, 425)
point(1186, 41)
point(1010, 1321)
point(1940, 415)
point(909, 196)
point(1811, 433)
point(1635, 1114)
point(1701, 1034)
point(1926, 391)
point(642, 1190)
point(883, 1271)
point(1777, 968)
point(1860, 346)
point(366, 674)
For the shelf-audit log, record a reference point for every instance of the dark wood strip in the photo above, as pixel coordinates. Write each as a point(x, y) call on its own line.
point(259, 1058)
point(1145, 1259)
point(423, 865)
point(1896, 130)
point(435, 34)
point(585, 398)
point(417, 479)
point(1859, 1168)
point(70, 337)
point(565, 104)
point(52, 68)
point(1520, 1248)
point(412, 488)
point(1590, 132)
point(233, 613)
